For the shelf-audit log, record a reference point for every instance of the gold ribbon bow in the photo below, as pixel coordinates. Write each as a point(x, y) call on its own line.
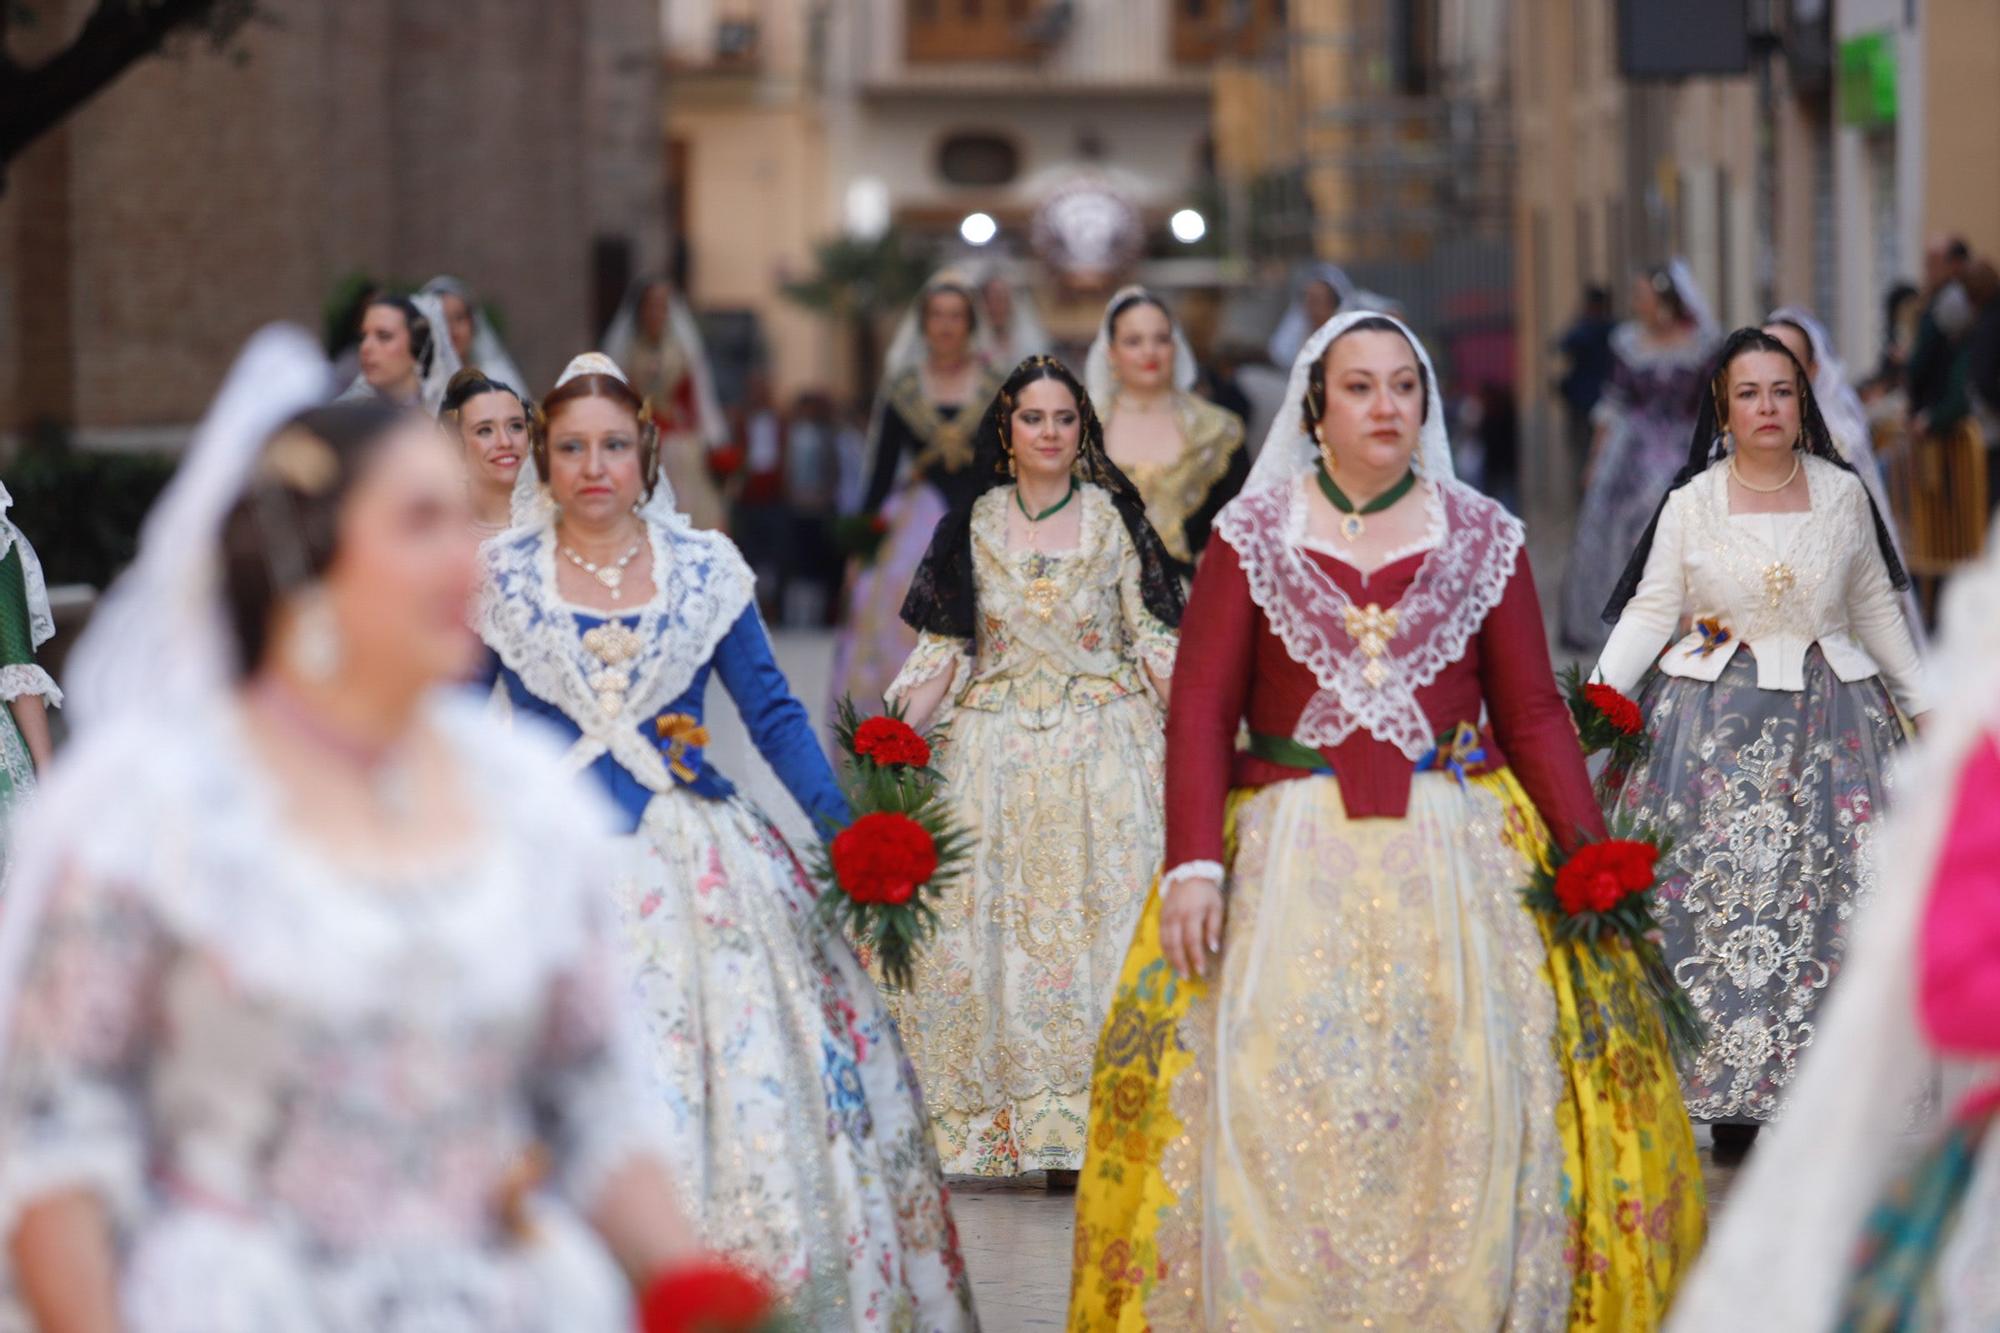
point(682, 734)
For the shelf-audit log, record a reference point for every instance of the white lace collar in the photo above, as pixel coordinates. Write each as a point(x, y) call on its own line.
point(701, 588)
point(1370, 660)
point(1296, 531)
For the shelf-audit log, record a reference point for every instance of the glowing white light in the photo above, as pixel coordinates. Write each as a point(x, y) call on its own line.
point(867, 208)
point(978, 229)
point(1188, 226)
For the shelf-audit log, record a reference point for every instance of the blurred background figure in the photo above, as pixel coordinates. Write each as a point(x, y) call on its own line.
point(1640, 442)
point(471, 332)
point(761, 517)
point(1586, 346)
point(655, 340)
point(811, 577)
point(495, 427)
point(1015, 330)
point(26, 623)
point(404, 357)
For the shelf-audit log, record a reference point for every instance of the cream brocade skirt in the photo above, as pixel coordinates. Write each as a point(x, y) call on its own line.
point(1008, 998)
point(1365, 1104)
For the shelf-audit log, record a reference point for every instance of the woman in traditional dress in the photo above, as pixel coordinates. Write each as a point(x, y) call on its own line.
point(1184, 454)
point(936, 384)
point(654, 339)
point(495, 427)
point(1016, 331)
point(470, 330)
point(404, 361)
point(26, 623)
point(1047, 611)
point(1846, 421)
point(1374, 1096)
point(777, 1073)
point(1657, 378)
point(1833, 1223)
point(1771, 723)
point(286, 1018)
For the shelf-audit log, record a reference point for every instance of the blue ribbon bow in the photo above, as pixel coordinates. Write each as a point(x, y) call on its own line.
point(1457, 751)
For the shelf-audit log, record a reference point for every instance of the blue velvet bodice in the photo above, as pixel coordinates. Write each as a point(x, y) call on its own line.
point(776, 720)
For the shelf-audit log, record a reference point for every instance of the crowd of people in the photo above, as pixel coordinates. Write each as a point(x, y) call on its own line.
point(386, 950)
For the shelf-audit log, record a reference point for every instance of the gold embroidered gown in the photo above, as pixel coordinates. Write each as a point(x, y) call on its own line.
point(1184, 495)
point(1053, 749)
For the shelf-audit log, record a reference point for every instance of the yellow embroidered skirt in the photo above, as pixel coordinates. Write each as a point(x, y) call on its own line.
point(1392, 1106)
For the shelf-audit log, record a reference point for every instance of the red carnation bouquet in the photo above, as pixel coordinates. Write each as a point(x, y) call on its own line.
point(711, 1295)
point(1605, 888)
point(882, 874)
point(1605, 719)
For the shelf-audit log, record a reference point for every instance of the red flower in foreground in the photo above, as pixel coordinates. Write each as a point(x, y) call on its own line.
point(1601, 874)
point(883, 857)
point(1619, 711)
point(888, 740)
point(706, 1296)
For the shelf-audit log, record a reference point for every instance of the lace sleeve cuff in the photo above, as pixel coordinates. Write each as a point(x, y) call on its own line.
point(27, 678)
point(934, 655)
point(1155, 649)
point(1190, 870)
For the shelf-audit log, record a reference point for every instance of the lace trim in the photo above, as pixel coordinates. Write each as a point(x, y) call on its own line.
point(27, 678)
point(932, 657)
point(1187, 870)
point(1460, 582)
point(41, 619)
point(1433, 534)
point(703, 586)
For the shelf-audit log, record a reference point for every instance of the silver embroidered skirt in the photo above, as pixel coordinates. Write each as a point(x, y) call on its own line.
point(1771, 798)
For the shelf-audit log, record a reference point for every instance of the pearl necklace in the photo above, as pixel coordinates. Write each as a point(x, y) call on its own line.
point(610, 574)
point(1749, 485)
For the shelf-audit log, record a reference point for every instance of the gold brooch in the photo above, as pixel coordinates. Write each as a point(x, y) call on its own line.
point(614, 646)
point(1371, 628)
point(1779, 579)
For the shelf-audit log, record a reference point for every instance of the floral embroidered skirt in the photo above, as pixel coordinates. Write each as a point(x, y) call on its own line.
point(1770, 798)
point(798, 1133)
point(1008, 997)
point(873, 641)
point(1392, 1107)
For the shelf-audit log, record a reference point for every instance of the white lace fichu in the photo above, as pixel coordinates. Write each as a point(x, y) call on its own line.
point(533, 506)
point(702, 586)
point(1323, 630)
point(1101, 381)
point(1289, 451)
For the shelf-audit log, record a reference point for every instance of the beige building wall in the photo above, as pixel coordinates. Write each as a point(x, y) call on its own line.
point(1961, 116)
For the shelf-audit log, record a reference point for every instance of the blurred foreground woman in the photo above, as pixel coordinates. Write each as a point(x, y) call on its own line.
point(304, 961)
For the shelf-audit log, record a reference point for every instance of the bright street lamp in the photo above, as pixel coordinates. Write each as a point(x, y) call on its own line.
point(1188, 226)
point(978, 229)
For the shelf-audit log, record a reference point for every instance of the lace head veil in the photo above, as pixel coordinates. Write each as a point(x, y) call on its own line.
point(158, 644)
point(1289, 452)
point(622, 334)
point(489, 354)
point(534, 506)
point(1710, 445)
point(434, 371)
point(944, 597)
point(1795, 1217)
point(1102, 380)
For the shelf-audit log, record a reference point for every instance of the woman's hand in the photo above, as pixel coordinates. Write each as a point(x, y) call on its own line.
point(1191, 925)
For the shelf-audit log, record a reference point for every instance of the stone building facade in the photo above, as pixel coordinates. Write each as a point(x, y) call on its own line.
point(514, 143)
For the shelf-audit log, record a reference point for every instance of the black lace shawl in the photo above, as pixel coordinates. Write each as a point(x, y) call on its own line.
point(944, 596)
point(1707, 448)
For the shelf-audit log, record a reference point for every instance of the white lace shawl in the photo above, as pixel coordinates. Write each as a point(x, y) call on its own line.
point(1460, 581)
point(703, 586)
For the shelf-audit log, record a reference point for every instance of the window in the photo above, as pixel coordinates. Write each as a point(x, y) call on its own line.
point(978, 158)
point(1206, 29)
point(945, 30)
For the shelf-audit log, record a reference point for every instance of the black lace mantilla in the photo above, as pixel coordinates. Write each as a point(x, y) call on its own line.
point(1706, 449)
point(944, 596)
